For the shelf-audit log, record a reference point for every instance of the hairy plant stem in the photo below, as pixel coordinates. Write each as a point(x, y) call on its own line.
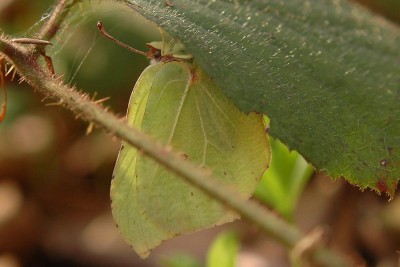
point(53, 24)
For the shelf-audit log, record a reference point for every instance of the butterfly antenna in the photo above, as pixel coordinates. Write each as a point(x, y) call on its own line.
point(106, 34)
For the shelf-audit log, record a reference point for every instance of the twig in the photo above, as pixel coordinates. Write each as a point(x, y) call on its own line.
point(46, 33)
point(53, 24)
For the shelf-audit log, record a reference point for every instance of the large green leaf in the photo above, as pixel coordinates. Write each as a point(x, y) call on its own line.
point(326, 72)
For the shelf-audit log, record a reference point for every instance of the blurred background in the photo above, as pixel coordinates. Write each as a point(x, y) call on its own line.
point(54, 179)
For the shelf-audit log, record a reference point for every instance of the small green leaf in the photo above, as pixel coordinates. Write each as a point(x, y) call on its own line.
point(223, 251)
point(178, 104)
point(284, 181)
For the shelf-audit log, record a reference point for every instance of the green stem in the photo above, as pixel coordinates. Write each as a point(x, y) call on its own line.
point(82, 105)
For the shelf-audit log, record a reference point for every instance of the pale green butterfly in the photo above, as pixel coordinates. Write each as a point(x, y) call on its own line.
point(180, 106)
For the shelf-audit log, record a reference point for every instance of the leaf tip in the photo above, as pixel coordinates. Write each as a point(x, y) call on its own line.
point(382, 186)
point(143, 254)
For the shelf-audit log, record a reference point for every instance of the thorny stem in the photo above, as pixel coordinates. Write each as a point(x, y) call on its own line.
point(49, 30)
point(53, 24)
point(81, 104)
